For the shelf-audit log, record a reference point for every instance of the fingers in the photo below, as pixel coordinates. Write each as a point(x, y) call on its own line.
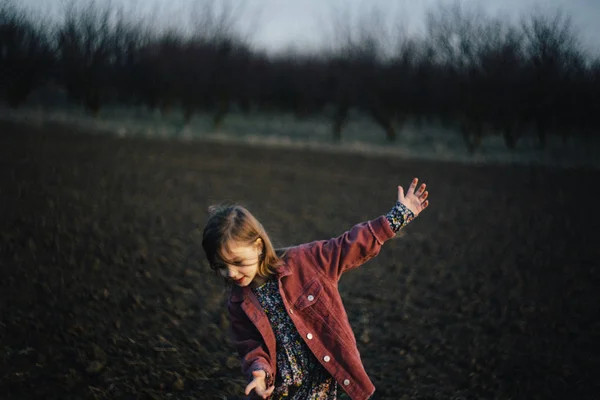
point(400, 194)
point(268, 392)
point(250, 386)
point(258, 375)
point(424, 196)
point(413, 185)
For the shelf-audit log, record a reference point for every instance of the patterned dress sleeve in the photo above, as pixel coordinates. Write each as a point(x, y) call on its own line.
point(399, 216)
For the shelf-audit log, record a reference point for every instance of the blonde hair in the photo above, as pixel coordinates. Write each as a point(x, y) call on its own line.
point(234, 223)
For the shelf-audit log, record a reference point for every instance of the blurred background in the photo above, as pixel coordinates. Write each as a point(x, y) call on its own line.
point(457, 80)
point(121, 122)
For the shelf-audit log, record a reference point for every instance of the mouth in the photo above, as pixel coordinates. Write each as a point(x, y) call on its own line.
point(239, 281)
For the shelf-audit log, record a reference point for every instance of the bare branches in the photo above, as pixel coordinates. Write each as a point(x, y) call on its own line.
point(91, 42)
point(550, 40)
point(482, 74)
point(25, 54)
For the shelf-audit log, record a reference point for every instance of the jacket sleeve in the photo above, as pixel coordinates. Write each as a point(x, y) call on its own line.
point(249, 343)
point(351, 249)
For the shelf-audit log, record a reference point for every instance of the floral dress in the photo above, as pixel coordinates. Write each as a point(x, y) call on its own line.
point(299, 374)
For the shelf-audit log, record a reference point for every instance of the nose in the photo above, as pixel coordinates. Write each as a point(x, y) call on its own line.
point(230, 273)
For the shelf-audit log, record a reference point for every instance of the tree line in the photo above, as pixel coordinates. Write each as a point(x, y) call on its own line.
point(480, 74)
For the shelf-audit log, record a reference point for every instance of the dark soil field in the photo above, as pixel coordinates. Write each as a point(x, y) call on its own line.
point(492, 293)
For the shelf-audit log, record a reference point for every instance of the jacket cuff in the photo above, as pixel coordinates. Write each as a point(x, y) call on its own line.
point(269, 379)
point(381, 229)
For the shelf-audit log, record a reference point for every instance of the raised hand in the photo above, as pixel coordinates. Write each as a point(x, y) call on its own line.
point(415, 199)
point(259, 386)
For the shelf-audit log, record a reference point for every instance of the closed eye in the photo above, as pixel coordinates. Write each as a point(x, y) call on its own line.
point(236, 263)
point(241, 264)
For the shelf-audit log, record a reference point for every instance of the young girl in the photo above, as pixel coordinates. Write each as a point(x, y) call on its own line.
point(287, 319)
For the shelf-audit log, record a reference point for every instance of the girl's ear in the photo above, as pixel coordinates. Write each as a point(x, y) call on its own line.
point(259, 244)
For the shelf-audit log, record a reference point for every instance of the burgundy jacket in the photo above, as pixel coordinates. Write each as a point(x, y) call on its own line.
point(308, 283)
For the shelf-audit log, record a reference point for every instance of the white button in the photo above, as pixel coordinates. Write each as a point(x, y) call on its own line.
point(311, 297)
point(309, 336)
point(326, 358)
point(346, 382)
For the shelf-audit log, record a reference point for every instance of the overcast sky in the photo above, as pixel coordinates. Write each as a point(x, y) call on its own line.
point(277, 24)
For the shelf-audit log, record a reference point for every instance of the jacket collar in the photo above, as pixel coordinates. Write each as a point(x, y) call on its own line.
point(238, 294)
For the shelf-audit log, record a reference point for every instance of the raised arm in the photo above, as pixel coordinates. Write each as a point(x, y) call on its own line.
point(363, 241)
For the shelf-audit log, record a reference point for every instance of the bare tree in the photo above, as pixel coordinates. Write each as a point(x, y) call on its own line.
point(357, 77)
point(552, 50)
point(126, 42)
point(499, 79)
point(212, 73)
point(508, 77)
point(25, 54)
point(456, 34)
point(201, 67)
point(157, 78)
point(86, 43)
point(458, 37)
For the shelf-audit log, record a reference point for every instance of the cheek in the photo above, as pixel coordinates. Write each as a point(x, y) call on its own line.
point(249, 271)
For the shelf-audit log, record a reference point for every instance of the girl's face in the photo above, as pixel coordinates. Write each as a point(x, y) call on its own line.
point(245, 259)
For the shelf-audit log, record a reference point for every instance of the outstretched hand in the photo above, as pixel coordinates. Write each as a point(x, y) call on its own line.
point(259, 386)
point(415, 199)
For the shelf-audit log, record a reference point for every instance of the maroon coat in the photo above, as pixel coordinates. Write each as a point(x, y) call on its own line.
point(308, 283)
